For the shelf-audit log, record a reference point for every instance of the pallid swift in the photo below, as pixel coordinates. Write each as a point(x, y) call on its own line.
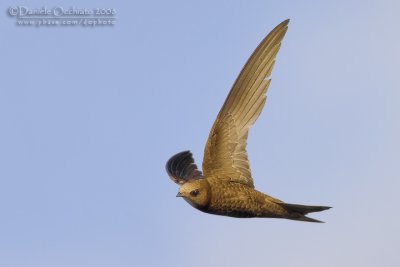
point(226, 186)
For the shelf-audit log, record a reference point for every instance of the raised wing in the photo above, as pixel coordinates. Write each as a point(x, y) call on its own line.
point(181, 168)
point(225, 155)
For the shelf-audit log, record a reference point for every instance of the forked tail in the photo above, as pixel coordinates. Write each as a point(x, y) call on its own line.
point(298, 212)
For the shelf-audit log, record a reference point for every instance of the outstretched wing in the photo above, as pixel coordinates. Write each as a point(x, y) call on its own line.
point(225, 155)
point(181, 168)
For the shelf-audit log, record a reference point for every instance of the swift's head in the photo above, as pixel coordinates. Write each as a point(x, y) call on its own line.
point(197, 193)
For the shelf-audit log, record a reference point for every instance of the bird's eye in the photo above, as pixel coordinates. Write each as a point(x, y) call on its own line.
point(194, 192)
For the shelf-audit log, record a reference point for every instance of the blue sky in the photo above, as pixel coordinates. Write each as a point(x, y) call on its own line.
point(89, 117)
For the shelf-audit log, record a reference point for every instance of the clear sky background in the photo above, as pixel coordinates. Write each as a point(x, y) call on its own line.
point(89, 117)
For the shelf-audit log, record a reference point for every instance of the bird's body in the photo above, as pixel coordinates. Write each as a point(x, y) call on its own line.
point(238, 200)
point(221, 197)
point(226, 187)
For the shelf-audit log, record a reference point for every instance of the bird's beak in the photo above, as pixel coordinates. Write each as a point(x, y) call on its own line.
point(179, 194)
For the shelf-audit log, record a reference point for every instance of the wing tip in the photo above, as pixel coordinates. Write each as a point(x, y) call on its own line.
point(283, 26)
point(284, 23)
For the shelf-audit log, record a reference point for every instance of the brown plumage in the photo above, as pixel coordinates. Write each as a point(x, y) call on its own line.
point(226, 187)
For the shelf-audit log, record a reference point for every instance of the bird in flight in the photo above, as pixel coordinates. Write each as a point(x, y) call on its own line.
point(226, 185)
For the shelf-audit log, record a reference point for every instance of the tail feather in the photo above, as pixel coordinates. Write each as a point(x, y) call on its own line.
point(304, 209)
point(305, 219)
point(298, 211)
